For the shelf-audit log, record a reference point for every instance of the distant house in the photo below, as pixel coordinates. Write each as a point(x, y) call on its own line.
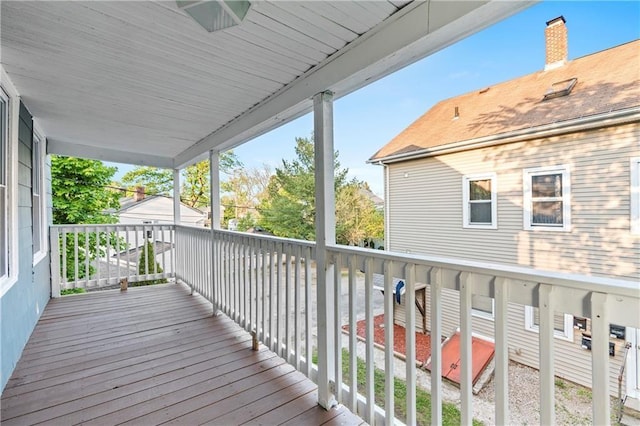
point(156, 209)
point(540, 171)
point(153, 209)
point(377, 201)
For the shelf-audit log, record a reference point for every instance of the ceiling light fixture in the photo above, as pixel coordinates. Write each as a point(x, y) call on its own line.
point(215, 15)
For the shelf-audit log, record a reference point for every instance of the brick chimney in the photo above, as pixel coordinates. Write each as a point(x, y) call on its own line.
point(139, 194)
point(556, 42)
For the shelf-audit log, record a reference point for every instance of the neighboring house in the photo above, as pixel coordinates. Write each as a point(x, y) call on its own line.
point(156, 209)
point(540, 171)
point(377, 201)
point(152, 209)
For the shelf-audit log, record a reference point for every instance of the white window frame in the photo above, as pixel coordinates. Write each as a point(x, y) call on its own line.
point(527, 174)
point(4, 169)
point(466, 214)
point(38, 160)
point(483, 314)
point(634, 195)
point(9, 93)
point(566, 334)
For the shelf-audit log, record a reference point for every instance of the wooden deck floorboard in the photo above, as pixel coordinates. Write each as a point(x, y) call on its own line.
point(153, 355)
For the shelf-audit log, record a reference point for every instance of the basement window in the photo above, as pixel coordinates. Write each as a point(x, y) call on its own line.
point(561, 88)
point(562, 323)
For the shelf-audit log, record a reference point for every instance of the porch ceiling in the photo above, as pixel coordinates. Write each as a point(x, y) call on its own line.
point(141, 82)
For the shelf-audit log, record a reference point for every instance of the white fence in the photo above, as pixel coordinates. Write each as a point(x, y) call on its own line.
point(98, 256)
point(267, 286)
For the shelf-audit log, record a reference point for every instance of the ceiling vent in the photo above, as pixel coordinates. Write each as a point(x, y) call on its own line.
point(215, 15)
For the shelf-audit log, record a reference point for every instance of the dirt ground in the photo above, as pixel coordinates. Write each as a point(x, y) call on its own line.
point(573, 402)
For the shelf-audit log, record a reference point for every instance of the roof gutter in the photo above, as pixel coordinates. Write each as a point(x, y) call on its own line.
point(609, 119)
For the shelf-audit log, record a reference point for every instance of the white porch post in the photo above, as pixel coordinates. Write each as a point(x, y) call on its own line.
point(176, 196)
point(325, 235)
point(214, 188)
point(214, 202)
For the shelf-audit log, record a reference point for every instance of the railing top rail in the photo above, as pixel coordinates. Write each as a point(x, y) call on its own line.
point(239, 234)
point(303, 243)
point(613, 286)
point(111, 225)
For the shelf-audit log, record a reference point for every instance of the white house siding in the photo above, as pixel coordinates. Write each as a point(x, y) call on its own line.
point(425, 217)
point(160, 210)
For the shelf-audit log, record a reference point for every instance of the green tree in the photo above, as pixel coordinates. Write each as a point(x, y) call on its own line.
point(195, 187)
point(147, 264)
point(356, 215)
point(289, 208)
point(80, 195)
point(247, 221)
point(155, 180)
point(80, 191)
point(244, 190)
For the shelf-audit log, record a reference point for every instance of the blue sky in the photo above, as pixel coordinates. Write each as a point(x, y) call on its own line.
point(367, 119)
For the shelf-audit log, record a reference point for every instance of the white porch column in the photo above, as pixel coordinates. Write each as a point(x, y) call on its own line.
point(214, 202)
point(214, 188)
point(176, 196)
point(325, 234)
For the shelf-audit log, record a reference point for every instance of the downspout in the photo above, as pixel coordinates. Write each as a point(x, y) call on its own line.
point(387, 205)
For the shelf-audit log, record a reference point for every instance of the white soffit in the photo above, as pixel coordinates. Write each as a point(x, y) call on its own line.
point(143, 82)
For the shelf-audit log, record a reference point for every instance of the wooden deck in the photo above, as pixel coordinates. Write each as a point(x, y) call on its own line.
point(153, 355)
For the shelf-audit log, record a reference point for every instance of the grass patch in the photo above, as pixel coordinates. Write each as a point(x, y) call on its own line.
point(68, 291)
point(560, 384)
point(450, 413)
point(584, 393)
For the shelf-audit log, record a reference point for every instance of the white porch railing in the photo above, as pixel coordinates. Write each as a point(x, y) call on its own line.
point(97, 256)
point(603, 300)
point(267, 285)
point(262, 283)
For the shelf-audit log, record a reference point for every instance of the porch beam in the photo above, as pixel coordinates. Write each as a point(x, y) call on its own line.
point(412, 33)
point(325, 235)
point(105, 154)
point(176, 196)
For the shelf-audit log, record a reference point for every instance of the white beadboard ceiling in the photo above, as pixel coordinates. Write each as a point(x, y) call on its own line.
point(141, 82)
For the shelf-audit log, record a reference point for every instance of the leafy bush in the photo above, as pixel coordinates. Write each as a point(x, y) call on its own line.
point(148, 264)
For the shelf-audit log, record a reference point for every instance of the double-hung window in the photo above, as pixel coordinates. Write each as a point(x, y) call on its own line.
point(37, 195)
point(479, 201)
point(547, 198)
point(4, 201)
